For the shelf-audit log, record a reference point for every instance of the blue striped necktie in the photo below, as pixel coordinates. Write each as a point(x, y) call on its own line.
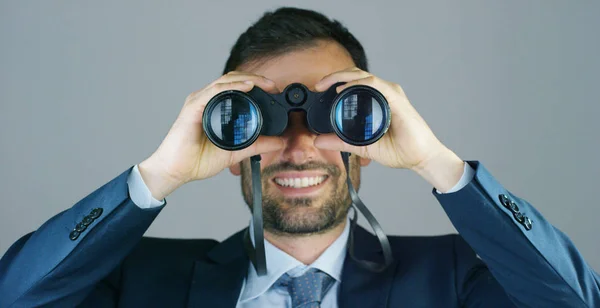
point(308, 290)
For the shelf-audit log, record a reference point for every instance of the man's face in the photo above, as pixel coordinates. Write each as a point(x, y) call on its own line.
point(304, 188)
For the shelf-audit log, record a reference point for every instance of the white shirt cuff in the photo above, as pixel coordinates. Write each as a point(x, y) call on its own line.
point(467, 176)
point(139, 192)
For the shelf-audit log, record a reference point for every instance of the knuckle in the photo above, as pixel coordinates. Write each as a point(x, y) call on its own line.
point(369, 80)
point(221, 86)
point(327, 77)
point(192, 96)
point(227, 85)
point(397, 87)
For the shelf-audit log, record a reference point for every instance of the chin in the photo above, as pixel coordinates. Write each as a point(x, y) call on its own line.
point(303, 220)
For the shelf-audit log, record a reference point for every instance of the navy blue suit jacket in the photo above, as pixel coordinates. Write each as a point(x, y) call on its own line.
point(497, 261)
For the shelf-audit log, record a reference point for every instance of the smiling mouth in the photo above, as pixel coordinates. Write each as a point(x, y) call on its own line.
point(300, 182)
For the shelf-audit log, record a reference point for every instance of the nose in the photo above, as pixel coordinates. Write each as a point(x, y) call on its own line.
point(299, 140)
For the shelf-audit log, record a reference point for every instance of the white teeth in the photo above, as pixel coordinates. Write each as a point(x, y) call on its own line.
point(300, 182)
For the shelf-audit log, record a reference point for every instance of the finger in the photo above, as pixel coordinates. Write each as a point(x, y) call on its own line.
point(264, 83)
point(388, 90)
point(368, 81)
point(198, 100)
point(332, 142)
point(241, 85)
point(262, 145)
point(234, 74)
point(342, 76)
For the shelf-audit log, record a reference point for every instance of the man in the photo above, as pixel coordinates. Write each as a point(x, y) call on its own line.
point(93, 254)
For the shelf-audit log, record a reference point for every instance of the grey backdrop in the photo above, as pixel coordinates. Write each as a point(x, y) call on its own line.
point(90, 88)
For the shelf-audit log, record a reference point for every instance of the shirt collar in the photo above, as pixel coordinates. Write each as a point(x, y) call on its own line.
point(331, 262)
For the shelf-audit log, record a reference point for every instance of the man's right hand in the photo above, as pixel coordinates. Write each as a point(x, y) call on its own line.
point(186, 154)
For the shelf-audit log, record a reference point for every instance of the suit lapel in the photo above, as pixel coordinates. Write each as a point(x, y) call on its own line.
point(361, 287)
point(218, 281)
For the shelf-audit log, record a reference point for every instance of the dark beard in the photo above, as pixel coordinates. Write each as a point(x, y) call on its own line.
point(289, 220)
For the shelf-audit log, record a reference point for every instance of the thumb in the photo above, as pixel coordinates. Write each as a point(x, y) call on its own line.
point(263, 144)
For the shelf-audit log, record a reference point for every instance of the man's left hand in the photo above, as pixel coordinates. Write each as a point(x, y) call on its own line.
point(409, 142)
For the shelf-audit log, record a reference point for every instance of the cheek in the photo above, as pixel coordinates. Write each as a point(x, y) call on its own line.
point(332, 157)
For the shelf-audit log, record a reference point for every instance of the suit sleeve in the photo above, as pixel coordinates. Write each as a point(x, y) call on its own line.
point(64, 260)
point(535, 263)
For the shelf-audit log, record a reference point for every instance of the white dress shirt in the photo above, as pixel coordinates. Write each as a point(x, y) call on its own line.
point(258, 291)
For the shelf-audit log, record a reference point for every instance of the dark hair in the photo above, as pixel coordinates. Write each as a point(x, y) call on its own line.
point(288, 29)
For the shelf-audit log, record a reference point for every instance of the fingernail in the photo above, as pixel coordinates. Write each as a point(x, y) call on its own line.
point(248, 82)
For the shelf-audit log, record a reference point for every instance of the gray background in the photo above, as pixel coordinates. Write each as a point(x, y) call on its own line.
point(89, 89)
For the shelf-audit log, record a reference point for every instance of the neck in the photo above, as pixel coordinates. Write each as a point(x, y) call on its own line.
point(305, 248)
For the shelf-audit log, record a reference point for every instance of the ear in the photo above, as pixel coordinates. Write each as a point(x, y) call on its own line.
point(364, 161)
point(235, 169)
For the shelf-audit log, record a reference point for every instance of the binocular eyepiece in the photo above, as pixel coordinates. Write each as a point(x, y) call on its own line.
point(233, 120)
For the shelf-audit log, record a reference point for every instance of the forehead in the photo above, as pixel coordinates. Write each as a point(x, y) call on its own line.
point(306, 66)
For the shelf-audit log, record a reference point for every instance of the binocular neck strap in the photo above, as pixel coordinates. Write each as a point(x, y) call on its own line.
point(256, 253)
point(383, 240)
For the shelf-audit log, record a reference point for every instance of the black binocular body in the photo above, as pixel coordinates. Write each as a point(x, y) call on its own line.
point(233, 120)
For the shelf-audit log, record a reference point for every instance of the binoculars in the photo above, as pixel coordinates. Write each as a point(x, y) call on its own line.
point(233, 120)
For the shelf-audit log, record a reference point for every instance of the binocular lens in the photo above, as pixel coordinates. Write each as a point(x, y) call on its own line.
point(233, 122)
point(360, 117)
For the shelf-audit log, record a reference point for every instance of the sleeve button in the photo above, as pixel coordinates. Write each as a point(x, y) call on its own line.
point(519, 217)
point(96, 213)
point(527, 223)
point(74, 235)
point(513, 207)
point(504, 200)
point(87, 220)
point(80, 227)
